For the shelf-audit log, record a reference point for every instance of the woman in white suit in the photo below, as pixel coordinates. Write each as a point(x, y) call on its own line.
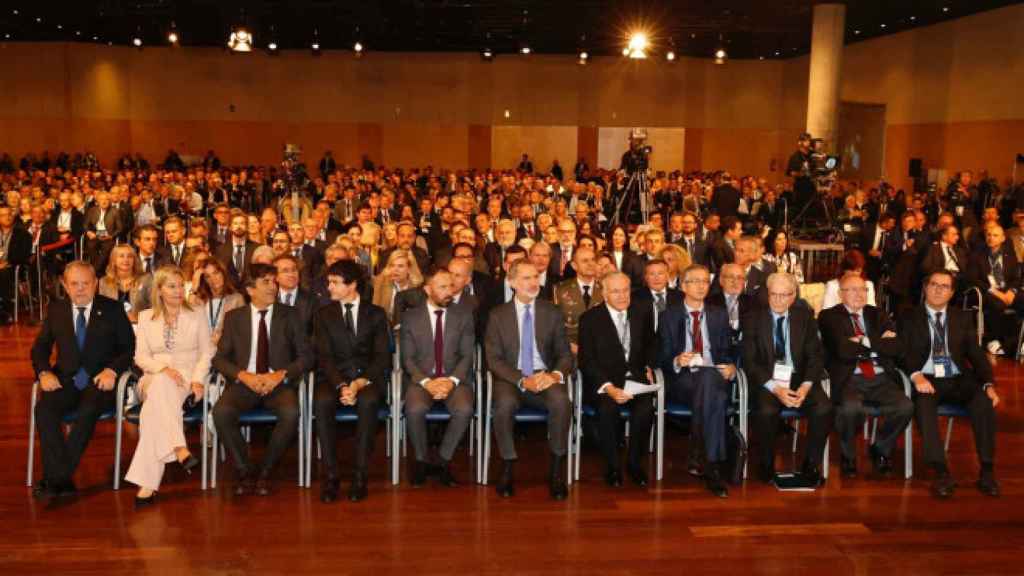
point(173, 347)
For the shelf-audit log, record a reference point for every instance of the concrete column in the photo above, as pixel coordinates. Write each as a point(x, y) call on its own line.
point(826, 66)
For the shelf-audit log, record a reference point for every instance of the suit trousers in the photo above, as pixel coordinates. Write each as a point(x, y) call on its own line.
point(237, 399)
point(817, 409)
point(60, 456)
point(326, 401)
point(641, 416)
point(706, 392)
point(963, 390)
point(507, 400)
point(896, 409)
point(1001, 321)
point(160, 430)
point(460, 406)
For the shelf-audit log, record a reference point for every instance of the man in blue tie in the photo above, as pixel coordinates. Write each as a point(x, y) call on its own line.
point(95, 343)
point(529, 358)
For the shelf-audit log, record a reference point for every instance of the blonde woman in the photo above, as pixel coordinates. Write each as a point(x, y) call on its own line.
point(677, 260)
point(174, 349)
point(400, 273)
point(125, 281)
point(216, 295)
point(371, 245)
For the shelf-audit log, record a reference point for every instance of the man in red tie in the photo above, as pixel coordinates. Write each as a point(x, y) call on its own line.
point(861, 348)
point(437, 345)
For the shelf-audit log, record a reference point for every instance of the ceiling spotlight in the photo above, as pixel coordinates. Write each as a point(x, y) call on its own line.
point(486, 54)
point(670, 56)
point(60, 26)
point(525, 50)
point(637, 47)
point(315, 46)
point(137, 42)
point(945, 8)
point(358, 47)
point(240, 40)
point(883, 26)
point(625, 51)
point(272, 46)
point(760, 57)
point(913, 18)
point(172, 37)
point(857, 32)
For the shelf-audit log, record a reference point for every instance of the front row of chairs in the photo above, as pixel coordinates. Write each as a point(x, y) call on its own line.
point(127, 409)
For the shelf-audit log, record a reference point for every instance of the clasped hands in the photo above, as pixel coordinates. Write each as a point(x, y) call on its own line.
point(197, 387)
point(262, 384)
point(684, 358)
point(348, 392)
point(439, 388)
point(791, 398)
point(540, 382)
point(105, 380)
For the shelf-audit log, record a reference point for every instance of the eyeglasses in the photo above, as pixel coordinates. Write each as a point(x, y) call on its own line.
point(855, 290)
point(699, 282)
point(732, 277)
point(781, 294)
point(940, 287)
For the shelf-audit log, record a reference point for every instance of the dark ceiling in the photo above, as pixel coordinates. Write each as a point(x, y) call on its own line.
point(745, 28)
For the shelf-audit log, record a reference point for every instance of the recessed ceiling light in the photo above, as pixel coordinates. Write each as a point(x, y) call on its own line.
point(137, 42)
point(856, 32)
point(883, 26)
point(945, 8)
point(315, 46)
point(358, 47)
point(525, 50)
point(39, 20)
point(913, 18)
point(272, 46)
point(671, 56)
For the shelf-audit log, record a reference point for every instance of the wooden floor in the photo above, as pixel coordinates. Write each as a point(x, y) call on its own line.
point(675, 527)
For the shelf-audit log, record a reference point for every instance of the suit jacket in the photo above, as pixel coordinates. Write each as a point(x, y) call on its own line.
point(502, 341)
point(417, 344)
point(842, 354)
point(699, 250)
point(643, 295)
point(746, 305)
point(568, 296)
point(109, 340)
point(190, 356)
point(226, 254)
point(935, 260)
point(77, 221)
point(632, 265)
point(289, 345)
point(721, 253)
point(344, 357)
point(19, 247)
point(804, 344)
point(111, 219)
point(493, 255)
point(673, 336)
point(961, 340)
point(725, 201)
point(305, 305)
point(981, 267)
point(164, 255)
point(601, 357)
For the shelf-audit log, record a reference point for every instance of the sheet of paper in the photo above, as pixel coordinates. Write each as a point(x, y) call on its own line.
point(634, 388)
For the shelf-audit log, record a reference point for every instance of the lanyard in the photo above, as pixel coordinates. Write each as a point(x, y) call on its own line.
point(215, 314)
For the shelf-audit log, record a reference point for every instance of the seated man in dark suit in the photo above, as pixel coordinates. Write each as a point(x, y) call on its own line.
point(354, 359)
point(996, 272)
point(947, 253)
point(617, 344)
point(695, 356)
point(946, 364)
point(737, 304)
point(236, 253)
point(263, 354)
point(291, 294)
point(785, 364)
point(15, 250)
point(861, 348)
point(655, 292)
point(529, 357)
point(95, 343)
point(437, 346)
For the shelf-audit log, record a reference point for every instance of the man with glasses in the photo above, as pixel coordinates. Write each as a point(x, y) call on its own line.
point(861, 349)
point(784, 362)
point(947, 365)
point(696, 358)
point(731, 297)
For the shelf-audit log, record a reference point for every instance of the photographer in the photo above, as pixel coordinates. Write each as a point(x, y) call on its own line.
point(799, 169)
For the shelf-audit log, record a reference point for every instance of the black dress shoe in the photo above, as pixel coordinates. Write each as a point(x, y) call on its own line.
point(444, 475)
point(713, 480)
point(143, 502)
point(766, 474)
point(358, 491)
point(189, 464)
point(987, 485)
point(882, 464)
point(812, 475)
point(329, 489)
point(559, 487)
point(42, 490)
point(246, 484)
point(263, 485)
point(848, 467)
point(418, 475)
point(694, 467)
point(505, 487)
point(65, 489)
point(613, 477)
point(943, 486)
point(638, 475)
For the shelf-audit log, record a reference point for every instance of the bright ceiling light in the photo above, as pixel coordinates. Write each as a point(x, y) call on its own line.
point(525, 50)
point(671, 56)
point(358, 47)
point(240, 40)
point(637, 48)
point(137, 42)
point(172, 37)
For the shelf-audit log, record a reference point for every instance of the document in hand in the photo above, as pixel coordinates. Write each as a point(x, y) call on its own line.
point(633, 388)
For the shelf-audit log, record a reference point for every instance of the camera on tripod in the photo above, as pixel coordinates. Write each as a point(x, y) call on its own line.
point(822, 165)
point(639, 153)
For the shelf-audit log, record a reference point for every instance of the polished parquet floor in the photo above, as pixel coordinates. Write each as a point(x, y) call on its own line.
point(857, 526)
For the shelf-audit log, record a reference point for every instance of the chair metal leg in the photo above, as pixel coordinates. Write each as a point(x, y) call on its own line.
point(949, 431)
point(31, 433)
point(874, 429)
point(487, 431)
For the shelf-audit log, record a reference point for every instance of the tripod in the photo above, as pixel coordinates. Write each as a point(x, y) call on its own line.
point(819, 199)
point(637, 180)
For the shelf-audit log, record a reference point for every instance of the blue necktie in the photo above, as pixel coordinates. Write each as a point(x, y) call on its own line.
point(526, 344)
point(81, 377)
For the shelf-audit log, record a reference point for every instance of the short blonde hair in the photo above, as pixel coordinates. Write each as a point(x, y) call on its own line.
point(415, 274)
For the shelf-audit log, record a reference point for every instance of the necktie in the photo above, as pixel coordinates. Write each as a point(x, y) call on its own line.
point(623, 328)
point(867, 367)
point(149, 264)
point(997, 269)
point(349, 322)
point(81, 377)
point(239, 258)
point(262, 346)
point(780, 340)
point(659, 302)
point(689, 247)
point(439, 344)
point(586, 296)
point(952, 257)
point(564, 260)
point(939, 339)
point(733, 307)
point(526, 344)
point(696, 336)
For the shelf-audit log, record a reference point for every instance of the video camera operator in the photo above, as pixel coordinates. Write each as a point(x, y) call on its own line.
point(799, 169)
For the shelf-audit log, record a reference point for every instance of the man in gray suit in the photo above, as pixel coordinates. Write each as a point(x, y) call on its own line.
point(437, 344)
point(529, 358)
